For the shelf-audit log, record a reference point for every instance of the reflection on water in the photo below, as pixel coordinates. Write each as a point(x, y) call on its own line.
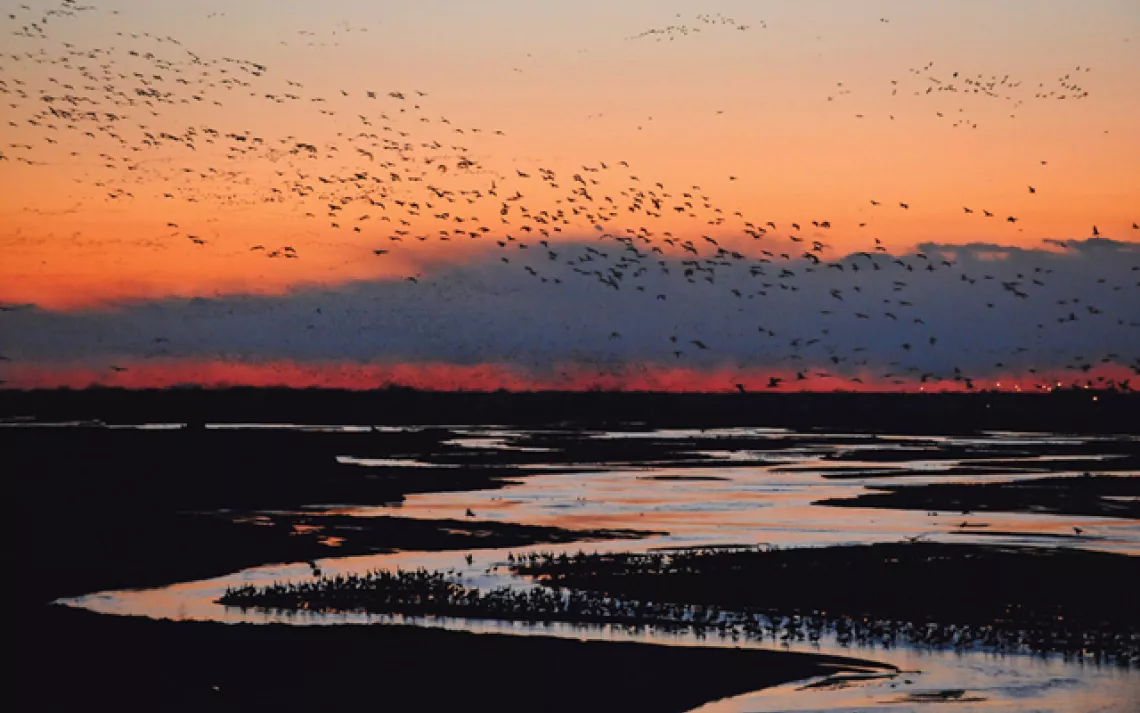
point(765, 500)
point(392, 463)
point(769, 499)
point(981, 685)
point(296, 427)
point(744, 505)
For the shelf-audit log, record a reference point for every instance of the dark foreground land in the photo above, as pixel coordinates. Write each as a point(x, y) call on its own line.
point(1101, 496)
point(91, 509)
point(100, 508)
point(91, 662)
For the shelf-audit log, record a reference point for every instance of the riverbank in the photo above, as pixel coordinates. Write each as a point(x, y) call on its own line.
point(82, 661)
point(1097, 496)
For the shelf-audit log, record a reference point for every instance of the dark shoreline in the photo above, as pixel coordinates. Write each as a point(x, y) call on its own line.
point(1086, 495)
point(1072, 411)
point(79, 660)
point(88, 661)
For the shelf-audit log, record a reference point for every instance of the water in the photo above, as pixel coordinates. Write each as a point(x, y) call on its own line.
point(763, 495)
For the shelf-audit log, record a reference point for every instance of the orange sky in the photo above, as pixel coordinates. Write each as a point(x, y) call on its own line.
point(814, 109)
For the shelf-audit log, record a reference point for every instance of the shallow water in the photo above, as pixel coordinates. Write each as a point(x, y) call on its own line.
point(761, 496)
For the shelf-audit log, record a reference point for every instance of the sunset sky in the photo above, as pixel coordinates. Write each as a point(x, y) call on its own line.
point(144, 244)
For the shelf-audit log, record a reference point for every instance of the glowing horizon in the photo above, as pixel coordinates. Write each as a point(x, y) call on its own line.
point(222, 135)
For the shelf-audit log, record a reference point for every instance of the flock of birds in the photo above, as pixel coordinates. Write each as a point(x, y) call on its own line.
point(432, 593)
point(398, 175)
point(928, 83)
point(699, 23)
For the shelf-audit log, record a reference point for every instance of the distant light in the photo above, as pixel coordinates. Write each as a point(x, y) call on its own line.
point(1095, 398)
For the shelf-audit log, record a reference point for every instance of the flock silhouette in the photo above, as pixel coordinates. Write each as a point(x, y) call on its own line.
point(433, 593)
point(702, 22)
point(407, 176)
point(932, 83)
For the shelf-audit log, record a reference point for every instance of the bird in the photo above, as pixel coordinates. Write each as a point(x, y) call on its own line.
point(418, 191)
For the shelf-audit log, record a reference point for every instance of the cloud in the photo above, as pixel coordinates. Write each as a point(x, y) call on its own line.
point(994, 309)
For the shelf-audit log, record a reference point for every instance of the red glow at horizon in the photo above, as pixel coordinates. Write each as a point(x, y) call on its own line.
point(492, 377)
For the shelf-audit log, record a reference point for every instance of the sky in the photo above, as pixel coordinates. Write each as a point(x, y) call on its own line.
point(646, 194)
